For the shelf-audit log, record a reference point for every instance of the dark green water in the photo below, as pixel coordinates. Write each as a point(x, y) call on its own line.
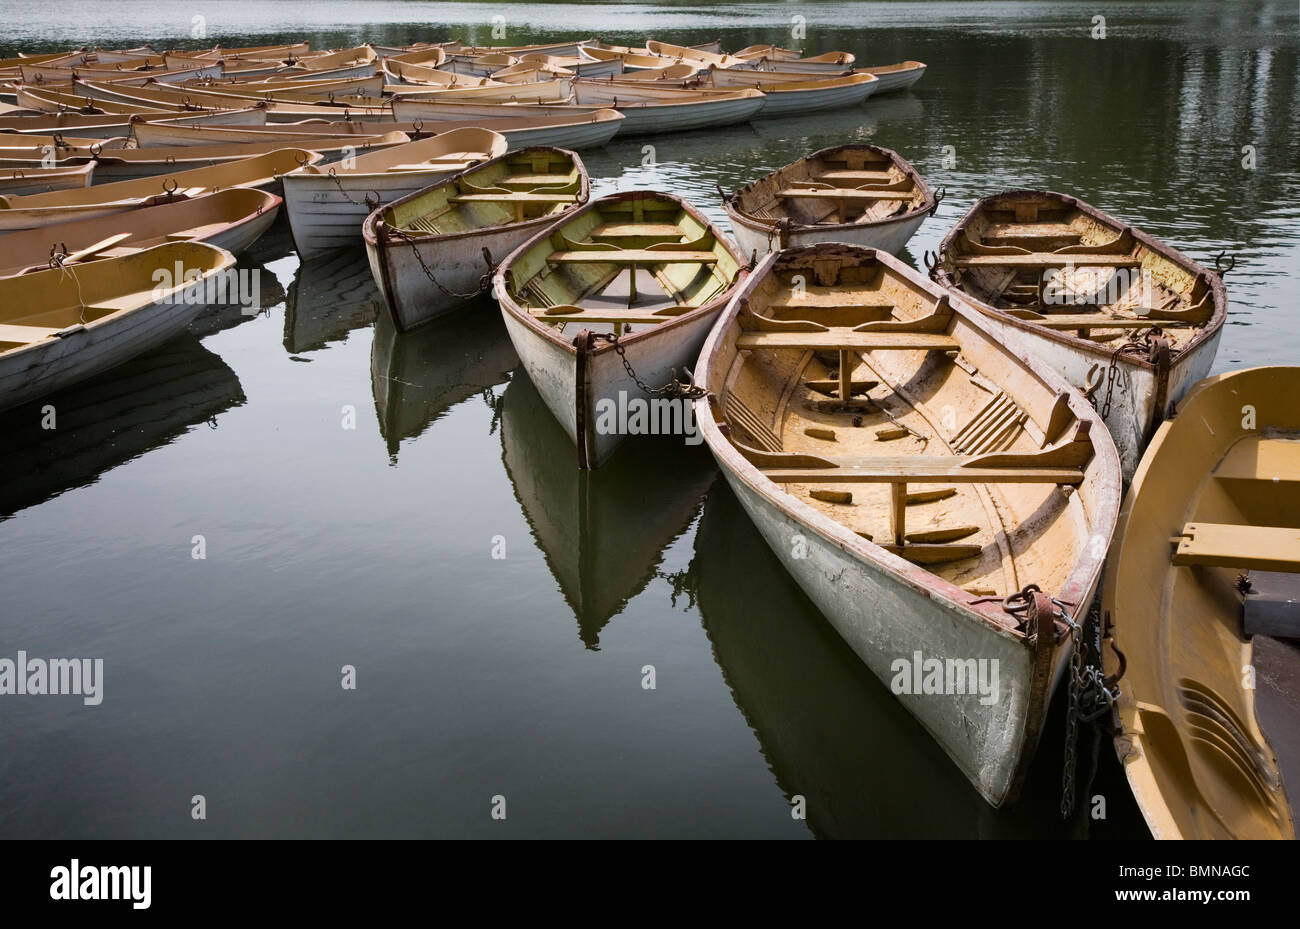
point(372, 546)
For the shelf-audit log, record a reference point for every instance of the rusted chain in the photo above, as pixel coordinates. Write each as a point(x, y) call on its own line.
point(674, 387)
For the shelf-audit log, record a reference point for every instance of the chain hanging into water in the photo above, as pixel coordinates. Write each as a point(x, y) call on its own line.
point(1091, 697)
point(674, 387)
point(484, 282)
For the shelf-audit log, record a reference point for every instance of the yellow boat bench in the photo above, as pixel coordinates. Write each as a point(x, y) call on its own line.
point(849, 340)
point(1227, 545)
point(632, 256)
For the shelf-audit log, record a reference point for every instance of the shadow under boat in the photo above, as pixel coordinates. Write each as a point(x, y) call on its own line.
point(330, 297)
point(419, 375)
point(603, 533)
point(109, 420)
point(830, 731)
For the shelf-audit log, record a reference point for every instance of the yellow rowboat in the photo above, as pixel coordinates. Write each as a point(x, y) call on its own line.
point(680, 74)
point(401, 72)
point(857, 194)
point(63, 325)
point(129, 163)
point(1201, 594)
point(576, 64)
point(433, 250)
point(915, 477)
point(35, 178)
point(105, 126)
point(258, 52)
point(573, 130)
point(541, 92)
point(428, 56)
point(33, 148)
point(1128, 319)
point(635, 277)
point(260, 171)
point(327, 205)
point(162, 106)
point(231, 219)
point(42, 74)
point(634, 60)
point(222, 96)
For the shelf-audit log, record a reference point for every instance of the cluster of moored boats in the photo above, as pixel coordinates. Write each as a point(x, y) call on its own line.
point(939, 459)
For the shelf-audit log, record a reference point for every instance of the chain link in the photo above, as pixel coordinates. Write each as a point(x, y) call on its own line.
point(484, 282)
point(674, 387)
point(1091, 697)
point(1140, 343)
point(369, 203)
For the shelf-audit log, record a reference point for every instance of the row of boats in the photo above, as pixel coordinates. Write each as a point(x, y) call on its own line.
point(938, 460)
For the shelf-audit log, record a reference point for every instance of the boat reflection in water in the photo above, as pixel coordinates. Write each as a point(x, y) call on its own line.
point(602, 532)
point(109, 420)
point(830, 731)
point(220, 317)
point(329, 297)
point(418, 376)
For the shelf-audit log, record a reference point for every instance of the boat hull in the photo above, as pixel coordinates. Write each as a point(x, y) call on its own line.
point(888, 236)
point(880, 617)
point(655, 119)
point(325, 215)
point(892, 81)
point(787, 103)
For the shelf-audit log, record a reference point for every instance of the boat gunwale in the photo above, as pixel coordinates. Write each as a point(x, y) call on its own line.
point(928, 204)
point(556, 338)
point(1086, 571)
point(1100, 351)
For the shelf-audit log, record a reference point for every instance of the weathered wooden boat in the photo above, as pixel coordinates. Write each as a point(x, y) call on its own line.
point(603, 533)
point(896, 76)
point(829, 63)
point(785, 98)
point(1126, 318)
point(63, 325)
point(231, 219)
point(1201, 594)
point(261, 171)
point(653, 110)
point(327, 205)
point(429, 250)
point(33, 178)
point(417, 377)
point(915, 477)
point(568, 130)
point(858, 194)
point(637, 276)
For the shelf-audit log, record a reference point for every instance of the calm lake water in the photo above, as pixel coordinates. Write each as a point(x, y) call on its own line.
point(371, 546)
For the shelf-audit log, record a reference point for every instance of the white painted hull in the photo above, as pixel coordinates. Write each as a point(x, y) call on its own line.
point(653, 119)
point(54, 364)
point(788, 103)
point(553, 370)
point(325, 215)
point(575, 137)
point(890, 81)
point(889, 236)
point(334, 74)
point(457, 262)
point(883, 619)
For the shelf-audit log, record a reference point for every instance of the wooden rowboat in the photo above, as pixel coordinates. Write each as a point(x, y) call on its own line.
point(231, 219)
point(429, 250)
point(106, 126)
point(858, 194)
point(654, 110)
point(1201, 595)
point(896, 76)
point(64, 325)
point(717, 60)
point(59, 206)
point(784, 98)
point(327, 206)
point(129, 163)
point(1128, 319)
point(32, 179)
point(643, 267)
point(829, 63)
point(576, 130)
point(915, 476)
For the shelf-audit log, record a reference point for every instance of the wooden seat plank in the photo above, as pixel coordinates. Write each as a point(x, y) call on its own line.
point(848, 340)
point(1048, 259)
point(1225, 545)
point(1274, 460)
point(821, 193)
point(632, 256)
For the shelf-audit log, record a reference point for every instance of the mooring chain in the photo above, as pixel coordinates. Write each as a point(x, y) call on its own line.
point(674, 387)
point(1138, 344)
point(484, 282)
point(371, 199)
point(1091, 696)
